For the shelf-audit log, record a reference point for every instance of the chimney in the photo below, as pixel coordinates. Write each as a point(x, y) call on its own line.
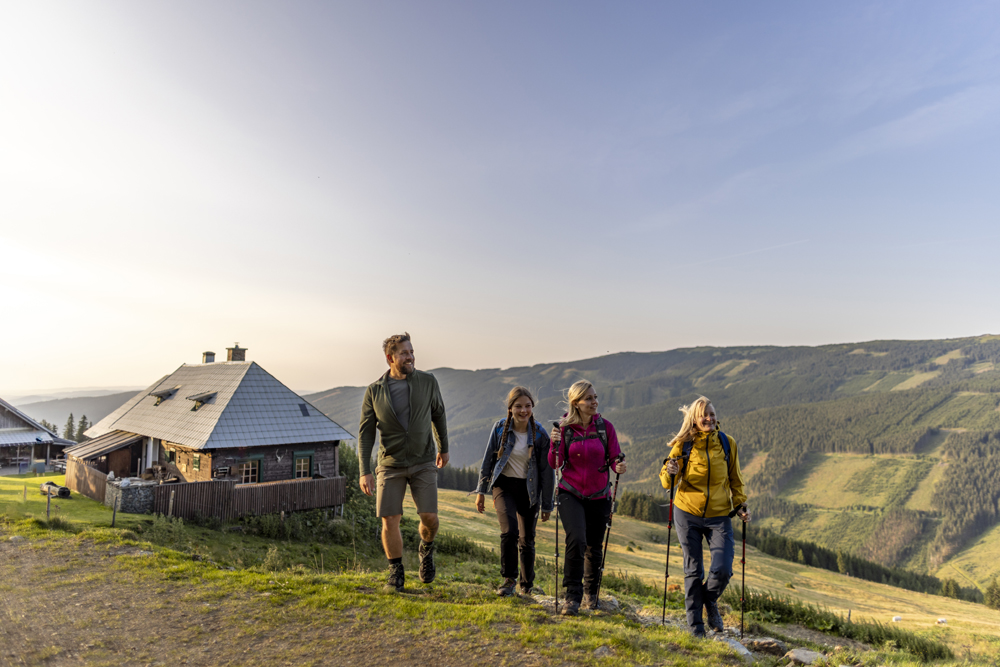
point(208, 357)
point(236, 353)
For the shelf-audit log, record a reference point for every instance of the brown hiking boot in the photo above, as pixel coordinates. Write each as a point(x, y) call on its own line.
point(506, 588)
point(590, 601)
point(427, 570)
point(570, 607)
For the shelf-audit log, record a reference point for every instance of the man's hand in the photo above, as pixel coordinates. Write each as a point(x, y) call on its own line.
point(368, 484)
point(442, 459)
point(480, 503)
point(546, 515)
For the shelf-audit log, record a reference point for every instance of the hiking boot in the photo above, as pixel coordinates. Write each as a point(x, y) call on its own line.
point(531, 590)
point(427, 570)
point(570, 607)
point(698, 630)
point(506, 588)
point(714, 617)
point(394, 583)
point(590, 601)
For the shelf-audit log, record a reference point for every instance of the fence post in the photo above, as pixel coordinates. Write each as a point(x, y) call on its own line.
point(26, 493)
point(114, 512)
point(48, 505)
point(170, 507)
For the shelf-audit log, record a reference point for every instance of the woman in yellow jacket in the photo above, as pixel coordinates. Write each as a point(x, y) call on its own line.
point(705, 464)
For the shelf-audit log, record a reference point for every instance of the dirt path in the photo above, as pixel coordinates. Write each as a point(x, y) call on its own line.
point(68, 605)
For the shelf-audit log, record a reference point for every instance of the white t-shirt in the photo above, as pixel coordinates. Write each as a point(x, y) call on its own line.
point(517, 463)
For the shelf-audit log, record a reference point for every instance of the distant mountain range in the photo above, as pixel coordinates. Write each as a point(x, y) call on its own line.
point(887, 449)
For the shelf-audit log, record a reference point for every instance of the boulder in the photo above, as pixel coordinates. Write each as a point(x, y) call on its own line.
point(603, 652)
point(801, 656)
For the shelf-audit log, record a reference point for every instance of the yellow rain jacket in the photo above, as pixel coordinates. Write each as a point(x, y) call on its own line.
point(705, 487)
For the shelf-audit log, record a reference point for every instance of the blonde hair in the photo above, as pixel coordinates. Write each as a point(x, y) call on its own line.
point(692, 415)
point(574, 394)
point(516, 393)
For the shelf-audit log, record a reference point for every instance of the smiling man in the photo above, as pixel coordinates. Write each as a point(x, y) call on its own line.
point(406, 408)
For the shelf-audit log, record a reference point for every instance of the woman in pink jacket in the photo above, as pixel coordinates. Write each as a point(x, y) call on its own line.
point(586, 447)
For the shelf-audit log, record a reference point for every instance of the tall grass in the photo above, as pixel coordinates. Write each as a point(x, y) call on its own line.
point(779, 609)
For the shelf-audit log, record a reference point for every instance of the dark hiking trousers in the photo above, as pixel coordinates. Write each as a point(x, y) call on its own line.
point(691, 530)
point(518, 519)
point(585, 522)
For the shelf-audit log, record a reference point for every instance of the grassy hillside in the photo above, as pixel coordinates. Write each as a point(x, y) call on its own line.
point(847, 445)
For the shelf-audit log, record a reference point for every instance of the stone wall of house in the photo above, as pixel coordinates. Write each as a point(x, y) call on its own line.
point(183, 465)
point(136, 498)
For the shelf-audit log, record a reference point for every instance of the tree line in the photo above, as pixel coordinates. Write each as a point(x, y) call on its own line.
point(649, 508)
point(73, 430)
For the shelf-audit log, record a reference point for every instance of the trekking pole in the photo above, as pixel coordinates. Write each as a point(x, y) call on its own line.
point(743, 563)
point(607, 536)
point(670, 525)
point(556, 505)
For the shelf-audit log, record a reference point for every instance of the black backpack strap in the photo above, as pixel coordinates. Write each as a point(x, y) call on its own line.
point(725, 446)
point(602, 433)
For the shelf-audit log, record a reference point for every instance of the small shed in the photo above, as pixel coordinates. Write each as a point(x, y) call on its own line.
point(22, 439)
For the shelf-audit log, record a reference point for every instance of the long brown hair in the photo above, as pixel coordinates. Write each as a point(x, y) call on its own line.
point(516, 393)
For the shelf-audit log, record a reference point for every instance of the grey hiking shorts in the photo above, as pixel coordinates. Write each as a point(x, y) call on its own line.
point(390, 486)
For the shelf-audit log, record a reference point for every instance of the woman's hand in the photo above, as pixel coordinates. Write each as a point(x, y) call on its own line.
point(743, 513)
point(546, 515)
point(480, 503)
point(620, 467)
point(556, 435)
point(673, 467)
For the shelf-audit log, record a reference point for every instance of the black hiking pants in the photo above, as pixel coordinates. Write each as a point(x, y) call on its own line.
point(518, 519)
point(691, 530)
point(585, 522)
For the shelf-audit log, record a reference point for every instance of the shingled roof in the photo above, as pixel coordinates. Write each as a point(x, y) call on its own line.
point(224, 404)
point(24, 430)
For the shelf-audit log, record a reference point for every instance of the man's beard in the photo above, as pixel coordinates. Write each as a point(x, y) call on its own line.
point(406, 369)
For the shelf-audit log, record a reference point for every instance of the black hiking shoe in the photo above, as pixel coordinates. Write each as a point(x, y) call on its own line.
point(530, 590)
point(394, 583)
point(714, 617)
point(427, 570)
point(590, 601)
point(506, 588)
point(698, 630)
point(570, 607)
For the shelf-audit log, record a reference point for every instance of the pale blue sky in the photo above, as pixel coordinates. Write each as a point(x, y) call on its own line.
point(512, 183)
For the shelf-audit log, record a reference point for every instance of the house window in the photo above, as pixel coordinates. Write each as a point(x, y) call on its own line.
point(303, 466)
point(171, 456)
point(196, 462)
point(249, 472)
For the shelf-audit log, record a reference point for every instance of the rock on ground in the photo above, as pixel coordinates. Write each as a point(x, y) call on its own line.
point(603, 652)
point(736, 646)
point(801, 656)
point(767, 645)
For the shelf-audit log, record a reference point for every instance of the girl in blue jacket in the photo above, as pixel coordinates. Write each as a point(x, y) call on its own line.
point(516, 472)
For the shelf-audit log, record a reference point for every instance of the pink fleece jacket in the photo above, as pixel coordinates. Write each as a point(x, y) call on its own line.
point(584, 459)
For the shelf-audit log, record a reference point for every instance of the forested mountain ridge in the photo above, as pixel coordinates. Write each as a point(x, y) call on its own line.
point(845, 445)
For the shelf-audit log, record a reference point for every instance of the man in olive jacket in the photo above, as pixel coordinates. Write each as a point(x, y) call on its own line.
point(405, 406)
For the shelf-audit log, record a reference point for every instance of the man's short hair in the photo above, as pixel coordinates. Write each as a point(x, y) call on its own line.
point(390, 344)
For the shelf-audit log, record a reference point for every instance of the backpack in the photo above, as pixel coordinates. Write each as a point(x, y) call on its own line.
point(602, 434)
point(686, 452)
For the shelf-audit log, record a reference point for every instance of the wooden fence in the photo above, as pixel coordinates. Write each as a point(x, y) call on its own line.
point(228, 500)
point(86, 480)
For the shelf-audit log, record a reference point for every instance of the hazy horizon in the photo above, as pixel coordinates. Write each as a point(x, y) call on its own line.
point(512, 184)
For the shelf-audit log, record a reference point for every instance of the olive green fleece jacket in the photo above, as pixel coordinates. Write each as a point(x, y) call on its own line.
point(402, 448)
